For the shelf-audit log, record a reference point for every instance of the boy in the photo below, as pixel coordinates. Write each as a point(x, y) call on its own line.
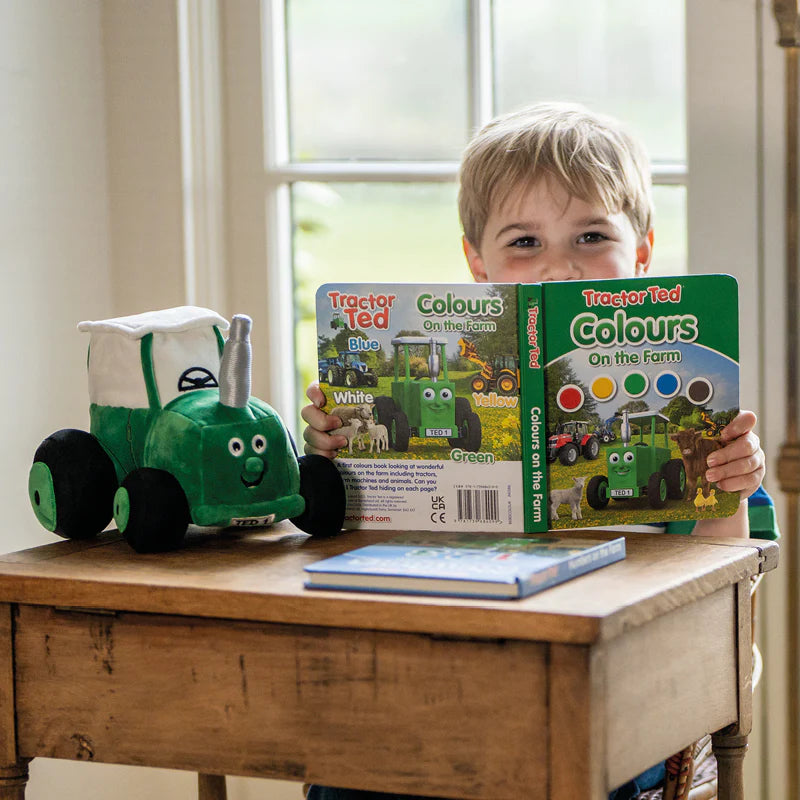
point(549, 193)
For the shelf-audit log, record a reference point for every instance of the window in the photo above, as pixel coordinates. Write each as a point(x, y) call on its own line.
point(365, 148)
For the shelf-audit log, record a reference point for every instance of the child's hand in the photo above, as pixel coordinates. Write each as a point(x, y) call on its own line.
point(739, 466)
point(318, 423)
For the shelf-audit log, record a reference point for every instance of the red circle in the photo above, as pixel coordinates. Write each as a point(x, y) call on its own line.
point(570, 398)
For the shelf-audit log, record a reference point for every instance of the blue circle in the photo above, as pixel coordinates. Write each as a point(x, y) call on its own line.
point(667, 384)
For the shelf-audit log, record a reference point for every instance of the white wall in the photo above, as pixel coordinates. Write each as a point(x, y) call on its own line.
point(54, 243)
point(90, 227)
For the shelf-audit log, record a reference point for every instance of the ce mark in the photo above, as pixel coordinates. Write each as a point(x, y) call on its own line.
point(437, 516)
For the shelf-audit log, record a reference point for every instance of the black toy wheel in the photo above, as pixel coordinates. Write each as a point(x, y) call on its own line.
point(322, 487)
point(351, 378)
point(675, 473)
point(151, 510)
point(384, 410)
point(657, 490)
point(591, 449)
point(331, 377)
point(568, 454)
point(597, 492)
point(399, 432)
point(71, 484)
point(507, 384)
point(372, 380)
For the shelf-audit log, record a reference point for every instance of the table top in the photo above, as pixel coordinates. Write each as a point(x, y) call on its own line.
point(258, 576)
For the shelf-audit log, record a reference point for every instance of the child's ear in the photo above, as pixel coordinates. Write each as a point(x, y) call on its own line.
point(644, 253)
point(476, 266)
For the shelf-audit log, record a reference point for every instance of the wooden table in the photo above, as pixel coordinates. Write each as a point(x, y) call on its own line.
point(215, 659)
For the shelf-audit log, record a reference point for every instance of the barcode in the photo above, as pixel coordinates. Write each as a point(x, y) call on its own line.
point(478, 505)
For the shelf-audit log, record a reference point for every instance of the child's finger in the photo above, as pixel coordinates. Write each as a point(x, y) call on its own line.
point(316, 418)
point(741, 424)
point(742, 447)
point(321, 443)
point(315, 394)
point(742, 467)
point(744, 483)
point(739, 466)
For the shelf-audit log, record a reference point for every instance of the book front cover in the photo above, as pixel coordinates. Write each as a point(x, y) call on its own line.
point(641, 375)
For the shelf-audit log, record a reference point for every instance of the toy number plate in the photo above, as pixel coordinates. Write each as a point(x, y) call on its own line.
point(253, 522)
point(622, 492)
point(438, 431)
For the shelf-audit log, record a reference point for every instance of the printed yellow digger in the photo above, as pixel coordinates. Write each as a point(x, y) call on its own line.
point(500, 375)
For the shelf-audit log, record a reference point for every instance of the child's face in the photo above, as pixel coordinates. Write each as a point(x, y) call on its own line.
point(542, 233)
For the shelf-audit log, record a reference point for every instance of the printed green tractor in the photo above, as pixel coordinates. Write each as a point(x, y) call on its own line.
point(426, 407)
point(175, 438)
point(642, 468)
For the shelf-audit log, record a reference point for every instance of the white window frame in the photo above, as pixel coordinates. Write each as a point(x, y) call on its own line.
point(280, 172)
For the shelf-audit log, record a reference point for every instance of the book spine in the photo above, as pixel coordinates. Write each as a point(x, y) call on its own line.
point(577, 565)
point(532, 407)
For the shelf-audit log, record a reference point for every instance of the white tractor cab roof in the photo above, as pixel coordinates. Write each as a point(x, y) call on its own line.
point(636, 417)
point(647, 415)
point(181, 346)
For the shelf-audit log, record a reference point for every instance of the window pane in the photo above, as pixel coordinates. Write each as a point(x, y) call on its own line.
point(377, 79)
point(620, 57)
point(669, 226)
point(369, 232)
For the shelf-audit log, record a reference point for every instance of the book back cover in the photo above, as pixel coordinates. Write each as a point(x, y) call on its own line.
point(426, 382)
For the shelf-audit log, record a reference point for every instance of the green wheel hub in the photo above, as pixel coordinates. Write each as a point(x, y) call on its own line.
point(122, 509)
point(42, 495)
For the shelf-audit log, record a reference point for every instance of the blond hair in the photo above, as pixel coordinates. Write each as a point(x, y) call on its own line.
point(592, 156)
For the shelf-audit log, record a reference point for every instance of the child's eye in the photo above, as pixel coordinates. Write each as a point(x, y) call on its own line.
point(524, 242)
point(592, 238)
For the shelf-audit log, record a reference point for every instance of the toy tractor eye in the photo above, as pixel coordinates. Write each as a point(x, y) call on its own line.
point(259, 443)
point(628, 457)
point(428, 394)
point(236, 446)
point(613, 458)
point(445, 394)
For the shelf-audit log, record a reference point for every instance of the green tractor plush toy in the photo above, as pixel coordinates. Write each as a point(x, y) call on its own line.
point(176, 439)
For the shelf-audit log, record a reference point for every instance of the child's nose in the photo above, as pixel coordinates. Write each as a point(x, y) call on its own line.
point(561, 267)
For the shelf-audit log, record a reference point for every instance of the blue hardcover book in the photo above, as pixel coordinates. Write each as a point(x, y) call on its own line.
point(464, 564)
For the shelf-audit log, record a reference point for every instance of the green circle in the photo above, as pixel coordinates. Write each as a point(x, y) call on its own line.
point(42, 494)
point(122, 508)
point(635, 384)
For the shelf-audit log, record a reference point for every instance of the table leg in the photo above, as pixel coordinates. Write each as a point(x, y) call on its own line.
point(13, 779)
point(209, 787)
point(729, 750)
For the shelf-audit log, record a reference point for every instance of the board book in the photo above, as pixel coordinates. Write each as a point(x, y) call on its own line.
point(530, 407)
point(464, 565)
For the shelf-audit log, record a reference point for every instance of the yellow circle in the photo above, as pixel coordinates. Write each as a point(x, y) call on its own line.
point(603, 388)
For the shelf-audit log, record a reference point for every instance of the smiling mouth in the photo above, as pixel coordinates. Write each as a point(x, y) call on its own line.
point(252, 484)
point(622, 470)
